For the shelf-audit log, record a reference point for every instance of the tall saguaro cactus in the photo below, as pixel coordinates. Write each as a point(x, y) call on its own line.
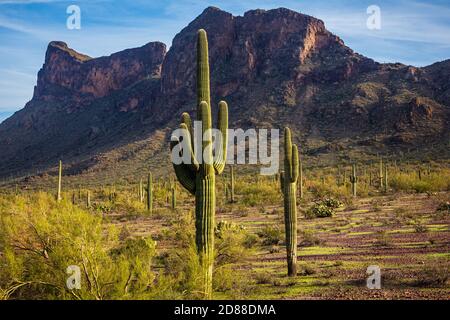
point(289, 188)
point(354, 180)
point(58, 195)
point(199, 176)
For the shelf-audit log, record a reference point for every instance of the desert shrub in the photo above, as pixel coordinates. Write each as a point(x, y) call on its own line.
point(41, 238)
point(443, 207)
point(437, 181)
point(319, 210)
point(270, 235)
point(234, 282)
point(306, 270)
point(230, 243)
point(433, 277)
point(309, 238)
point(420, 228)
point(263, 278)
point(332, 203)
point(250, 240)
point(383, 239)
point(253, 194)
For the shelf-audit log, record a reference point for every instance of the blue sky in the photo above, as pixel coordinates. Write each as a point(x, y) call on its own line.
point(415, 32)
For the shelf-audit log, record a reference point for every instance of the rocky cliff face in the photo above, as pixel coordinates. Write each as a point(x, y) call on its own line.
point(67, 73)
point(275, 68)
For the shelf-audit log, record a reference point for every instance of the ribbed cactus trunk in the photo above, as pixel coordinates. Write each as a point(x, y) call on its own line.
point(58, 195)
point(289, 188)
point(199, 175)
point(354, 180)
point(149, 193)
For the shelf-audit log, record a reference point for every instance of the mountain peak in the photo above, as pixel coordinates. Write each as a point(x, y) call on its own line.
point(60, 47)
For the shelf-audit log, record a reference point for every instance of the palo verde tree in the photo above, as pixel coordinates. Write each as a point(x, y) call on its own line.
point(198, 176)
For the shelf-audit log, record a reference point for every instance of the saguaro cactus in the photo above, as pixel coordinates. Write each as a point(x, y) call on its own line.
point(288, 187)
point(386, 186)
point(88, 199)
point(149, 193)
point(381, 173)
point(354, 180)
point(199, 176)
point(300, 178)
point(232, 184)
point(174, 196)
point(58, 195)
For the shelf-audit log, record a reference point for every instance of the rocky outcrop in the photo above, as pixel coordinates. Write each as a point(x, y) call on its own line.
point(69, 73)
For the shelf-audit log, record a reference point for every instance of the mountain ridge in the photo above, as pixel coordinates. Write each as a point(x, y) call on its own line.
point(274, 67)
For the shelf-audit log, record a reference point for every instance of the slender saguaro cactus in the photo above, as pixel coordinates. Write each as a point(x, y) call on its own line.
point(141, 191)
point(58, 196)
point(354, 180)
point(88, 199)
point(288, 187)
point(199, 175)
point(300, 178)
point(174, 196)
point(381, 173)
point(386, 186)
point(231, 184)
point(149, 193)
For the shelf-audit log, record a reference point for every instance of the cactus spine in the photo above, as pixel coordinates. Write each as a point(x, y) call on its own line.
point(58, 195)
point(354, 180)
point(149, 193)
point(288, 187)
point(199, 175)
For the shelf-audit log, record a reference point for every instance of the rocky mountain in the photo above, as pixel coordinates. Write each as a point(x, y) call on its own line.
point(275, 68)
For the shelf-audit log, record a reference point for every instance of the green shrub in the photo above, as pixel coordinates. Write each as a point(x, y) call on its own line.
point(270, 235)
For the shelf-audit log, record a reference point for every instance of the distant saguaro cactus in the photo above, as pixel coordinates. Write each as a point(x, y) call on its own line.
point(174, 197)
point(58, 195)
point(386, 186)
point(88, 199)
point(149, 193)
point(199, 176)
point(381, 173)
point(300, 178)
point(354, 180)
point(289, 189)
point(232, 199)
